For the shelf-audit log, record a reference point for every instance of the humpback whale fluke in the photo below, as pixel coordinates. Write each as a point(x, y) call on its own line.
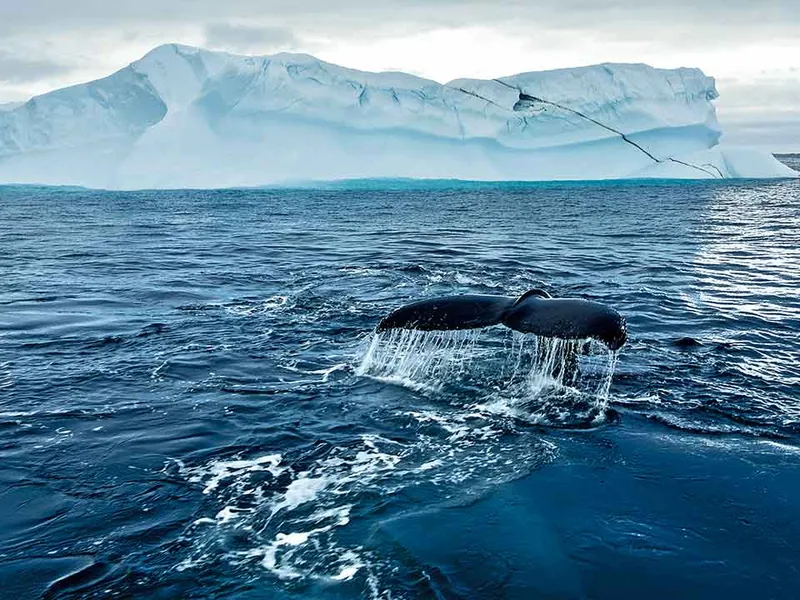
point(533, 312)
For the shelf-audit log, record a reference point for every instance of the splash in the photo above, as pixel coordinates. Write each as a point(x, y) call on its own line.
point(547, 380)
point(420, 359)
point(284, 518)
point(300, 516)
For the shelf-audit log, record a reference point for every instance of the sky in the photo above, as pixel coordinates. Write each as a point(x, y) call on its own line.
point(752, 48)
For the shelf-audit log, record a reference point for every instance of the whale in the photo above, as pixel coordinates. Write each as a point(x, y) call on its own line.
point(534, 312)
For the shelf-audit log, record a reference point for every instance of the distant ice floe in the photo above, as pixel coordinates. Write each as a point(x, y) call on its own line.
point(183, 117)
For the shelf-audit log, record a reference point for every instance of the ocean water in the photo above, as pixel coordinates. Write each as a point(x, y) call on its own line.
point(193, 403)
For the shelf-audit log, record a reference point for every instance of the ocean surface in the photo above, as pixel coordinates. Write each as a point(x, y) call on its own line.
point(193, 403)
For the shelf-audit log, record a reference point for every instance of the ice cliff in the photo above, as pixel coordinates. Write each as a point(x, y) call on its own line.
point(186, 117)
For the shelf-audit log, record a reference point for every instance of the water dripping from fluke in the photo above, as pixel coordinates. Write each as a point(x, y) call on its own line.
point(542, 380)
point(419, 360)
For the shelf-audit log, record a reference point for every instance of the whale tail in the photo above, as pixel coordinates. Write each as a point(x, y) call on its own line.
point(533, 312)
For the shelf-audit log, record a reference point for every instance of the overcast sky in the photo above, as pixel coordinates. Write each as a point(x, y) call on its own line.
point(752, 47)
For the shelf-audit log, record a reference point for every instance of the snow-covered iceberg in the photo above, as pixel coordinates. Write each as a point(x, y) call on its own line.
point(186, 117)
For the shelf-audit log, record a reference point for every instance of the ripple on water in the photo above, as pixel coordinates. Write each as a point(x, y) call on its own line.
point(297, 517)
point(222, 334)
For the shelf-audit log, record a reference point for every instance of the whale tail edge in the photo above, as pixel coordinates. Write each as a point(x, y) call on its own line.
point(533, 312)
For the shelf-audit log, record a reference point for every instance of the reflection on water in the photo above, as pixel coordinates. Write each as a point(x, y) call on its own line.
point(192, 402)
point(748, 283)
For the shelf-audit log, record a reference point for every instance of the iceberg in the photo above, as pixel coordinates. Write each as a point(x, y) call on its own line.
point(183, 117)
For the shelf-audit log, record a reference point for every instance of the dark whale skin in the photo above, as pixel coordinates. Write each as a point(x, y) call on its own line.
point(533, 312)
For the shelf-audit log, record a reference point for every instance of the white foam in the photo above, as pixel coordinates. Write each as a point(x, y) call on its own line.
point(361, 271)
point(326, 373)
point(432, 464)
point(291, 525)
point(228, 514)
point(351, 565)
point(189, 563)
point(301, 490)
point(156, 373)
point(247, 309)
point(218, 471)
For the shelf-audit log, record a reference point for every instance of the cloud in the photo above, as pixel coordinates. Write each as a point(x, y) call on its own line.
point(248, 39)
point(632, 18)
point(676, 24)
point(774, 134)
point(21, 70)
point(763, 113)
point(781, 91)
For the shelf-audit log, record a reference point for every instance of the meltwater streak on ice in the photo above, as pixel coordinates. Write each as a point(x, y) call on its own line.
point(549, 380)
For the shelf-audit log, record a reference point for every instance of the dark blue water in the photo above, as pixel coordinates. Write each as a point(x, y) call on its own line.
point(182, 413)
